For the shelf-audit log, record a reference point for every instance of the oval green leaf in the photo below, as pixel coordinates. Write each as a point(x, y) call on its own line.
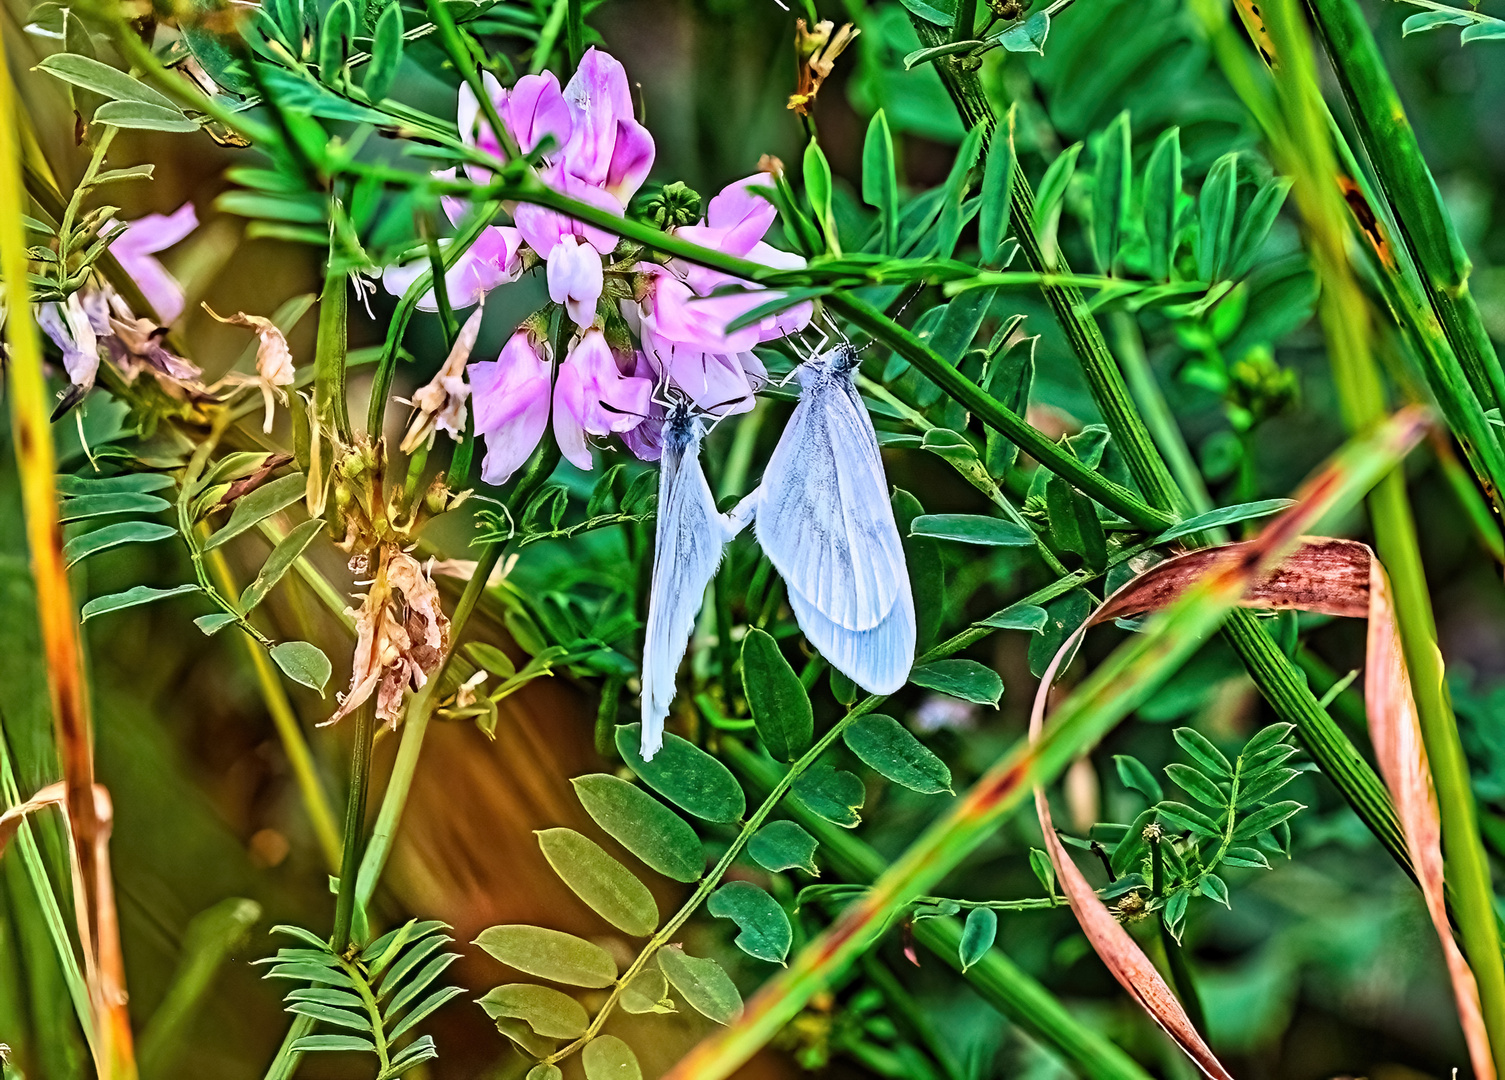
point(103, 80)
point(303, 663)
point(978, 933)
point(259, 505)
point(279, 562)
point(550, 954)
point(834, 794)
point(973, 529)
point(702, 982)
point(132, 597)
point(685, 775)
point(607, 1057)
point(784, 845)
point(648, 992)
point(544, 1072)
point(965, 679)
point(766, 933)
point(69, 484)
point(642, 825)
point(143, 117)
point(780, 706)
point(602, 882)
point(123, 532)
point(122, 502)
point(549, 1012)
point(889, 749)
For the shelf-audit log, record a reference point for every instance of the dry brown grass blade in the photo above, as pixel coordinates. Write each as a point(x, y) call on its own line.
point(1395, 731)
point(10, 821)
point(1335, 577)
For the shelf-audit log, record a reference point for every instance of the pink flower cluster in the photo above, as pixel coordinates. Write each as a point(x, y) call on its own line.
point(591, 148)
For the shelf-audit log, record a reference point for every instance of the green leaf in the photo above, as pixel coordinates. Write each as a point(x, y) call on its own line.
point(978, 934)
point(1137, 777)
point(143, 117)
point(1162, 194)
point(311, 1043)
point(1052, 197)
point(71, 485)
point(1018, 617)
point(889, 749)
point(685, 775)
point(1264, 785)
point(1133, 847)
point(305, 664)
point(1028, 36)
point(1256, 223)
point(1247, 856)
point(702, 983)
point(997, 189)
point(1074, 524)
point(550, 954)
point(311, 973)
point(784, 845)
point(973, 529)
point(124, 502)
point(1183, 816)
point(416, 1052)
point(415, 985)
point(1045, 871)
point(1112, 178)
point(549, 1012)
point(106, 81)
point(279, 562)
point(965, 679)
point(123, 532)
point(778, 701)
point(1227, 515)
point(834, 794)
point(132, 597)
point(1197, 785)
point(1064, 615)
point(608, 887)
point(214, 623)
point(927, 575)
point(335, 36)
point(648, 992)
point(1209, 756)
point(491, 658)
point(386, 54)
point(259, 505)
point(880, 180)
point(607, 1057)
point(1214, 888)
point(1218, 205)
point(818, 190)
point(544, 1072)
point(1265, 819)
point(766, 933)
point(1265, 738)
point(329, 1014)
point(421, 949)
point(1494, 30)
point(642, 825)
point(1431, 20)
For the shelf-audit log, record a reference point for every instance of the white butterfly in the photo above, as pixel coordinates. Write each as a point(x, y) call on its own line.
point(825, 522)
point(688, 543)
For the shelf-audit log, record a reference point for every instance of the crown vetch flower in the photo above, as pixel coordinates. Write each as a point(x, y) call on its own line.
point(137, 247)
point(593, 397)
point(512, 403)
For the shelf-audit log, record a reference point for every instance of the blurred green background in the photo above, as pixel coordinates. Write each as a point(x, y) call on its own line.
point(1324, 967)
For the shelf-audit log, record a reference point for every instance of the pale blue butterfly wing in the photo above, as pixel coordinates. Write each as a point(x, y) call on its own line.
point(824, 519)
point(826, 524)
point(688, 542)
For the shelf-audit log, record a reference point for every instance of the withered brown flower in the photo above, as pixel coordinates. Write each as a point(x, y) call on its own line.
point(816, 52)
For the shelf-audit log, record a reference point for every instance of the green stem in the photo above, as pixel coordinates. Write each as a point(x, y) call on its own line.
point(355, 826)
point(1307, 154)
point(575, 32)
point(286, 1062)
point(993, 413)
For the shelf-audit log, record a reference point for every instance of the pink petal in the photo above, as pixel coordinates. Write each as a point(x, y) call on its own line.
point(599, 97)
point(742, 214)
point(157, 232)
point(575, 279)
point(511, 396)
point(535, 108)
point(631, 159)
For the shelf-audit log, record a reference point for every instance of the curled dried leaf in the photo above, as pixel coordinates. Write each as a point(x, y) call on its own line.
point(274, 360)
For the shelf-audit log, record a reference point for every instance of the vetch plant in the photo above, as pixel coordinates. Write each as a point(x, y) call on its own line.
point(803, 481)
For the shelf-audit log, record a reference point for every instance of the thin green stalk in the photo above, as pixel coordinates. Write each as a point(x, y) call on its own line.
point(1485, 525)
point(289, 730)
point(1158, 417)
point(329, 357)
point(996, 978)
point(993, 413)
point(1425, 227)
point(287, 1060)
point(575, 32)
point(1345, 317)
point(355, 826)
